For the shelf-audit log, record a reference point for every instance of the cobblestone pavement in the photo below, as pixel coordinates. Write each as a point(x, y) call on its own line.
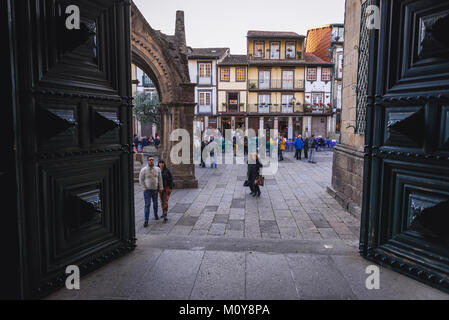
point(294, 205)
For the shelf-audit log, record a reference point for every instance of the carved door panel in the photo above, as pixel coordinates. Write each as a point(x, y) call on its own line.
point(74, 133)
point(405, 221)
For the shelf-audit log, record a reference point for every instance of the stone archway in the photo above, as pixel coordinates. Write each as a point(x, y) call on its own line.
point(164, 59)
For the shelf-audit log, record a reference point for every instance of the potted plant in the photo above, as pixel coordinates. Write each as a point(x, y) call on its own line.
point(241, 104)
point(299, 54)
point(291, 103)
point(252, 86)
point(224, 104)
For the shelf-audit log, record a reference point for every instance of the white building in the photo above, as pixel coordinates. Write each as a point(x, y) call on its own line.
point(142, 83)
point(318, 95)
point(203, 72)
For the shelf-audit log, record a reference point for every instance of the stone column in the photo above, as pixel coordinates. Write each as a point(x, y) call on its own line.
point(290, 127)
point(177, 115)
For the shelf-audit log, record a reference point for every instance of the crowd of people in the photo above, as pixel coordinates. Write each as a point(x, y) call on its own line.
point(140, 143)
point(159, 179)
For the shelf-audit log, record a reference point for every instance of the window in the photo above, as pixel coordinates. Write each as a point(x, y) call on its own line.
point(146, 81)
point(317, 98)
point(287, 107)
point(224, 74)
point(311, 74)
point(240, 74)
point(258, 49)
point(275, 50)
point(340, 66)
point(326, 74)
point(205, 99)
point(264, 79)
point(264, 101)
point(287, 79)
point(290, 48)
point(204, 73)
point(204, 102)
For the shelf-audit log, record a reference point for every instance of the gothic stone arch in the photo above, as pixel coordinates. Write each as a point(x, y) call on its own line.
point(164, 59)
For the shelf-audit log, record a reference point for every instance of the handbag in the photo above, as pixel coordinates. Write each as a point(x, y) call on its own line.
point(260, 180)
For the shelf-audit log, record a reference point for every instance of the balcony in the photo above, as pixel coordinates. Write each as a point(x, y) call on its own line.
point(274, 108)
point(276, 84)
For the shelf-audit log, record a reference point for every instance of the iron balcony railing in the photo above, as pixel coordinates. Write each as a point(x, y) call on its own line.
point(275, 84)
point(275, 108)
point(287, 108)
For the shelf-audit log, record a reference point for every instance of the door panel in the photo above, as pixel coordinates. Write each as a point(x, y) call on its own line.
point(74, 131)
point(405, 219)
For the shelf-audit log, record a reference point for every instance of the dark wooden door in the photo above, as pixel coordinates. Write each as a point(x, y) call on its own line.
point(73, 130)
point(405, 221)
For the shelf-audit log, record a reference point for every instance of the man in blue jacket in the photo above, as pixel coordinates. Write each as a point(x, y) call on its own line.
point(299, 145)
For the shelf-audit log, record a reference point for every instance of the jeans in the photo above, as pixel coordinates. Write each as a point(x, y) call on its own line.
point(149, 195)
point(311, 155)
point(280, 155)
point(298, 154)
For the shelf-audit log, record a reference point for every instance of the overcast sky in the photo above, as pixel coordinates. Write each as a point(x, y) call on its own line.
point(224, 23)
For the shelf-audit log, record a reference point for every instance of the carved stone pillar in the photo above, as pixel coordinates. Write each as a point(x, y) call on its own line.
point(174, 116)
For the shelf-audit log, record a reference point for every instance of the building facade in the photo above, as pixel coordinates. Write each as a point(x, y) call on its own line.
point(203, 69)
point(318, 100)
point(327, 43)
point(276, 67)
point(232, 93)
point(141, 82)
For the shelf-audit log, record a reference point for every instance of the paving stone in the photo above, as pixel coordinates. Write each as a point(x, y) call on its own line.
point(221, 218)
point(187, 221)
point(217, 229)
point(171, 277)
point(211, 208)
point(269, 276)
point(317, 277)
point(221, 276)
point(268, 226)
point(179, 208)
point(238, 204)
point(237, 225)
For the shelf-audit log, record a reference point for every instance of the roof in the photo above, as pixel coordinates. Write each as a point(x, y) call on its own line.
point(201, 53)
point(235, 60)
point(313, 59)
point(319, 42)
point(273, 34)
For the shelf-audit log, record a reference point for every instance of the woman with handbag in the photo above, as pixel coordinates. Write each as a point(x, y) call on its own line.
point(254, 173)
point(167, 179)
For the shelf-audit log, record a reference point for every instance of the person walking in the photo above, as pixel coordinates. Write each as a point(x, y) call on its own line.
point(312, 146)
point(203, 145)
point(150, 179)
point(306, 148)
point(213, 152)
point(254, 166)
point(164, 194)
point(281, 145)
point(299, 145)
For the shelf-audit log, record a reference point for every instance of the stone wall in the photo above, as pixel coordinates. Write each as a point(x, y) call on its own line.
point(347, 173)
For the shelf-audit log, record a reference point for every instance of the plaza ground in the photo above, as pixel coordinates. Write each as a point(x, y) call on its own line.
point(294, 242)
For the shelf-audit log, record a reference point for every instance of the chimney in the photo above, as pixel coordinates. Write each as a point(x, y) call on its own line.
point(180, 32)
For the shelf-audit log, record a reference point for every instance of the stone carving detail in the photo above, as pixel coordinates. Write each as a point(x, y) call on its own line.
point(164, 58)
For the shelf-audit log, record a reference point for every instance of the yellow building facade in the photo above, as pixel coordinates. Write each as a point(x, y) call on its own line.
point(276, 69)
point(232, 92)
